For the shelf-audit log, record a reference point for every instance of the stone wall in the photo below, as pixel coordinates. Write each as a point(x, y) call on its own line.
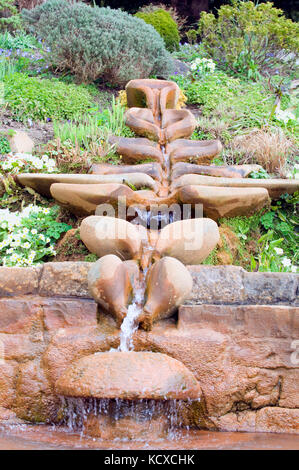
point(237, 333)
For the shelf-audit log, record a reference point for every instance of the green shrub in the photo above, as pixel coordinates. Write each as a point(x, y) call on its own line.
point(98, 42)
point(37, 99)
point(163, 23)
point(248, 38)
point(9, 17)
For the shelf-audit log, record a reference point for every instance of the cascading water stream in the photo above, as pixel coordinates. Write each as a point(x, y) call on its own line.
point(130, 324)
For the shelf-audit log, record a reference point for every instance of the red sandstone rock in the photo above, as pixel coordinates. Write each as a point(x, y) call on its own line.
point(64, 278)
point(129, 376)
point(13, 282)
point(104, 427)
point(271, 419)
point(142, 122)
point(168, 285)
point(152, 169)
point(41, 182)
point(134, 150)
point(8, 374)
point(193, 151)
point(232, 171)
point(108, 235)
point(35, 400)
point(190, 241)
point(275, 187)
point(177, 124)
point(109, 284)
point(220, 201)
point(156, 95)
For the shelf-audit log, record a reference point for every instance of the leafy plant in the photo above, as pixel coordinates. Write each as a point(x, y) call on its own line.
point(163, 23)
point(28, 237)
point(19, 40)
point(44, 99)
point(4, 146)
point(250, 38)
point(259, 174)
point(270, 256)
point(93, 42)
point(25, 163)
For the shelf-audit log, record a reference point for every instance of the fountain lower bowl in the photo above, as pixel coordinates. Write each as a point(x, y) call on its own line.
point(127, 395)
point(130, 376)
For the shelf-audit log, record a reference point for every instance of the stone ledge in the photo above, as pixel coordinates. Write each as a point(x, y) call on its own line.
point(268, 419)
point(19, 281)
point(257, 321)
point(212, 284)
point(32, 314)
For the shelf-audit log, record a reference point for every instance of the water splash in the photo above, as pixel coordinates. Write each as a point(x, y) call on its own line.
point(130, 323)
point(111, 417)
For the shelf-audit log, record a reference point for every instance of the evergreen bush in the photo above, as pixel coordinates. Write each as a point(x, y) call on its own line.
point(93, 42)
point(163, 23)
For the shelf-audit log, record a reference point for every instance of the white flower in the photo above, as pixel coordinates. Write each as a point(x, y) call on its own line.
point(26, 245)
point(34, 231)
point(293, 269)
point(279, 251)
point(284, 116)
point(286, 262)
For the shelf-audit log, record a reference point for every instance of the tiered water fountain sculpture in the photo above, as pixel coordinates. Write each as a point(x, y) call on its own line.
point(140, 277)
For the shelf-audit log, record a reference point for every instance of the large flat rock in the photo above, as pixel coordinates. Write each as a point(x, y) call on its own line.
point(220, 201)
point(228, 171)
point(152, 169)
point(193, 151)
point(42, 182)
point(132, 375)
point(275, 187)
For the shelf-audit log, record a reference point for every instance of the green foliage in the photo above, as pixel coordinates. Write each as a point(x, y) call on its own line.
point(271, 256)
point(163, 23)
point(93, 42)
point(283, 220)
point(4, 145)
point(114, 120)
point(277, 247)
point(259, 174)
point(18, 41)
point(242, 226)
point(237, 103)
point(91, 132)
point(249, 38)
point(37, 99)
point(28, 237)
point(10, 19)
point(189, 52)
point(211, 91)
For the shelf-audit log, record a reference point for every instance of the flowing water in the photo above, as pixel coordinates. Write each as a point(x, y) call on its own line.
point(45, 437)
point(130, 323)
point(121, 419)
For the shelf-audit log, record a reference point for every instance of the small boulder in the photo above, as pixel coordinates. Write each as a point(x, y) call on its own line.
point(20, 142)
point(190, 241)
point(110, 236)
